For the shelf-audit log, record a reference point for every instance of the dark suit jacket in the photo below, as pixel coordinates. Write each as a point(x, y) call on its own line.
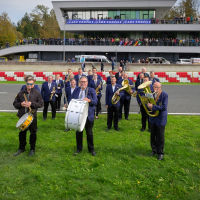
point(92, 85)
point(137, 83)
point(117, 75)
point(59, 91)
point(35, 86)
point(77, 78)
point(108, 81)
point(68, 95)
point(46, 93)
point(90, 77)
point(110, 93)
point(145, 74)
point(154, 80)
point(92, 96)
point(161, 105)
point(126, 94)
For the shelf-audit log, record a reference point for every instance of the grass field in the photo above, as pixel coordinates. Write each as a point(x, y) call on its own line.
point(121, 170)
point(40, 82)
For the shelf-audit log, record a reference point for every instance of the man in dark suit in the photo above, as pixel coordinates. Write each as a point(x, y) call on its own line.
point(153, 78)
point(68, 93)
point(112, 109)
point(118, 74)
point(108, 81)
point(83, 66)
point(69, 71)
point(144, 72)
point(60, 86)
point(78, 76)
point(94, 71)
point(145, 117)
point(139, 81)
point(126, 99)
point(87, 94)
point(48, 89)
point(26, 78)
point(96, 83)
point(158, 123)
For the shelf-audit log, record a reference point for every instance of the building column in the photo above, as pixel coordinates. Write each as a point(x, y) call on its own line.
point(176, 56)
point(39, 56)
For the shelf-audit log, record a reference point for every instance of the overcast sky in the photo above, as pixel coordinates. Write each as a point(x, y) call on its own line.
point(17, 8)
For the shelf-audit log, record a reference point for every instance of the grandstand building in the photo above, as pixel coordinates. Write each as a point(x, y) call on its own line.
point(126, 28)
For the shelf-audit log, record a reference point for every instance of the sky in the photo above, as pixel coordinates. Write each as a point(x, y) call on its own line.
point(17, 8)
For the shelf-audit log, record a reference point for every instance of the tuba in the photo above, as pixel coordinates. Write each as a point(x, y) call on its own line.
point(125, 87)
point(148, 98)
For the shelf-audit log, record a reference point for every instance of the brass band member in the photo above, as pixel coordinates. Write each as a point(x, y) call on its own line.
point(25, 79)
point(97, 85)
point(48, 91)
point(60, 86)
point(126, 99)
point(145, 117)
point(69, 71)
point(144, 71)
point(153, 78)
point(158, 123)
point(87, 94)
point(35, 101)
point(112, 109)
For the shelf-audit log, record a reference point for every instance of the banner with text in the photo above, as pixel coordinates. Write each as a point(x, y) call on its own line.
point(112, 21)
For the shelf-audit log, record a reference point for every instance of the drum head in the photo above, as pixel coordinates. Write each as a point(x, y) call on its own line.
point(22, 120)
point(76, 115)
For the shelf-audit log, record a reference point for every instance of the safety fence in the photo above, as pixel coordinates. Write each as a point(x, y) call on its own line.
point(171, 77)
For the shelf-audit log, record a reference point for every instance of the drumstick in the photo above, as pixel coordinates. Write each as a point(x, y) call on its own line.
point(27, 101)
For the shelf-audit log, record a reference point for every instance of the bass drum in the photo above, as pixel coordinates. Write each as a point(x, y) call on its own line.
point(24, 122)
point(76, 115)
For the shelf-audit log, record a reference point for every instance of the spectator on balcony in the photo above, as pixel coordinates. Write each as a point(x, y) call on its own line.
point(133, 60)
point(188, 20)
point(151, 61)
point(191, 19)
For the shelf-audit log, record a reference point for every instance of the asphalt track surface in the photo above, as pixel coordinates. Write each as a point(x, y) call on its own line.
point(183, 99)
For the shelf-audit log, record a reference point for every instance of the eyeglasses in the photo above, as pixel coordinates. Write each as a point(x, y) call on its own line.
point(29, 83)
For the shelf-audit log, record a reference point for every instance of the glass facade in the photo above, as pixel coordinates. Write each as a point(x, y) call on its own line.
point(111, 14)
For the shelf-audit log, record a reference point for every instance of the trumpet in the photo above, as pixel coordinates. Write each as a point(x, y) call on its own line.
point(97, 89)
point(125, 87)
point(52, 93)
point(68, 78)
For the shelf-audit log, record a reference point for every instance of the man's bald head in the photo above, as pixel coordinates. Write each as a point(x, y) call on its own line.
point(157, 87)
point(144, 70)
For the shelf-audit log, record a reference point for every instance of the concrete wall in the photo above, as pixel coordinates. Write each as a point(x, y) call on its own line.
point(61, 67)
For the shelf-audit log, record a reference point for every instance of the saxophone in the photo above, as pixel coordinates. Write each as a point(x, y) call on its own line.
point(97, 89)
point(53, 90)
point(68, 78)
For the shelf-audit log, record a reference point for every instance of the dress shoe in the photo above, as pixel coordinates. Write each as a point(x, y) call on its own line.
point(119, 120)
point(53, 118)
point(77, 151)
point(152, 153)
point(32, 152)
point(160, 156)
point(44, 119)
point(93, 153)
point(126, 118)
point(19, 151)
point(107, 129)
point(67, 129)
point(117, 129)
point(142, 130)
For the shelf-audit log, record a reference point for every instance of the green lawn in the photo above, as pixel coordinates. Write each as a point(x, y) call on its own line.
point(121, 170)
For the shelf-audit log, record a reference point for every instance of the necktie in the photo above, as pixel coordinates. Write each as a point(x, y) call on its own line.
point(81, 95)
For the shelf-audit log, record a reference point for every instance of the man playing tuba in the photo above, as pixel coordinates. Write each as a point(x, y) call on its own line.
point(158, 123)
